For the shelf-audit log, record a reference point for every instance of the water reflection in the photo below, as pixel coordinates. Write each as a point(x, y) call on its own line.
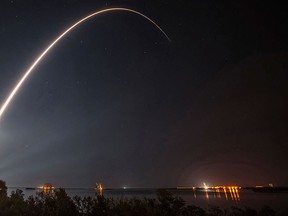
point(207, 195)
point(224, 189)
point(47, 188)
point(192, 196)
point(48, 191)
point(99, 189)
point(231, 193)
point(194, 192)
point(237, 193)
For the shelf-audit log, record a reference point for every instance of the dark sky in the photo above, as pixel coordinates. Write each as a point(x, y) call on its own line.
point(115, 102)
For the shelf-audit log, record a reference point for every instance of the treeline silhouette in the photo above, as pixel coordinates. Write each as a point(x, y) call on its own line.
point(60, 204)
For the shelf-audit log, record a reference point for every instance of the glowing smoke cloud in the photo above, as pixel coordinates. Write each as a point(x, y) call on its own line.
point(27, 73)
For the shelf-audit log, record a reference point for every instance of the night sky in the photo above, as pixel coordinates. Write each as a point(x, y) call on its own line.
point(116, 102)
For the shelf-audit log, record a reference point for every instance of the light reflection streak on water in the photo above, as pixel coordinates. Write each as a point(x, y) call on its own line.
point(234, 194)
point(224, 189)
point(229, 193)
point(207, 195)
point(237, 193)
point(218, 193)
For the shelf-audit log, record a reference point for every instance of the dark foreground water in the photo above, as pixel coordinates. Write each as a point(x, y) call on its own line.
point(204, 199)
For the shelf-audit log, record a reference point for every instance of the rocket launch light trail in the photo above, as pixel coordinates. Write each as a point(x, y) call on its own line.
point(28, 72)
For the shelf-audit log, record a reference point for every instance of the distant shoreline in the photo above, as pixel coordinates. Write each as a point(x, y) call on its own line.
point(198, 189)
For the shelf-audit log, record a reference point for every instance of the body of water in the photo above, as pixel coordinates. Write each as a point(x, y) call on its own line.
point(243, 198)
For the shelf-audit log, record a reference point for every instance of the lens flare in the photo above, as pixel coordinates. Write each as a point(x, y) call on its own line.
point(28, 72)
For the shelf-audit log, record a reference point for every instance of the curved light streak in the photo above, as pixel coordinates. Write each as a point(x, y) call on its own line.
point(27, 73)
